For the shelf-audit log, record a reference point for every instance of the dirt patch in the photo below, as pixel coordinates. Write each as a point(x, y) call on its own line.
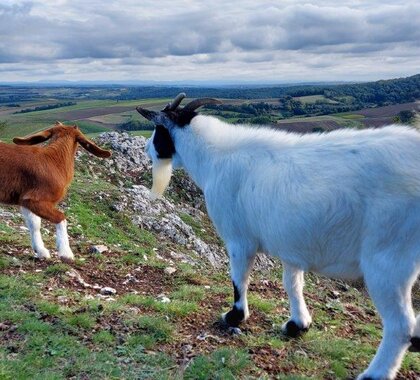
point(388, 111)
point(87, 113)
point(308, 126)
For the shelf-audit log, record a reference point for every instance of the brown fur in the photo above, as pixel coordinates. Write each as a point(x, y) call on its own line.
point(37, 177)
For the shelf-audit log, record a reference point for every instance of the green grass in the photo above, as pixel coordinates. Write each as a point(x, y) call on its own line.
point(311, 99)
point(224, 363)
point(175, 308)
point(146, 134)
point(351, 116)
point(192, 293)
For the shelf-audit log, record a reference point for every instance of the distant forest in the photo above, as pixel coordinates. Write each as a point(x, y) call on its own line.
point(333, 98)
point(378, 93)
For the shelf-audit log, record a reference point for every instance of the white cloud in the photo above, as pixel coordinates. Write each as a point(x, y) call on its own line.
point(195, 40)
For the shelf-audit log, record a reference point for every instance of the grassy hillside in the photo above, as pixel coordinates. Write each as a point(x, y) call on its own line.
point(55, 323)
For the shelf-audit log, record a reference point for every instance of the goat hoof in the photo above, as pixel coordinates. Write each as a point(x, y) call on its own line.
point(67, 260)
point(66, 255)
point(233, 317)
point(235, 331)
point(415, 344)
point(43, 254)
point(292, 329)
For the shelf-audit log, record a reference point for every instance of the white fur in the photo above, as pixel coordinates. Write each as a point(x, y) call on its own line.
point(63, 246)
point(33, 223)
point(344, 204)
point(162, 172)
point(417, 328)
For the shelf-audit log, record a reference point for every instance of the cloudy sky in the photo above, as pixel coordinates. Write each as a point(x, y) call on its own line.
point(184, 40)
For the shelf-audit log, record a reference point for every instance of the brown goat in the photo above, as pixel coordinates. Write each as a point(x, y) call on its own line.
point(37, 177)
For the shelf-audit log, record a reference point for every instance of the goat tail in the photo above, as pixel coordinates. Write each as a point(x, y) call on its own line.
point(415, 340)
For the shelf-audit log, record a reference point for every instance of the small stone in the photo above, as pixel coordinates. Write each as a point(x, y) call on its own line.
point(162, 298)
point(170, 270)
point(4, 327)
point(108, 291)
point(98, 249)
point(62, 299)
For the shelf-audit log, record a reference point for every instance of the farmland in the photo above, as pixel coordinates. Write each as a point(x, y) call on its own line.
point(94, 116)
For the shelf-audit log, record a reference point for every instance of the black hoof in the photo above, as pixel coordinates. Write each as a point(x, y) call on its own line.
point(292, 330)
point(234, 317)
point(415, 344)
point(235, 331)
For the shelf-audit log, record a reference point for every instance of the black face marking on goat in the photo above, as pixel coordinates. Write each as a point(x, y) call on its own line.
point(181, 118)
point(163, 143)
point(234, 317)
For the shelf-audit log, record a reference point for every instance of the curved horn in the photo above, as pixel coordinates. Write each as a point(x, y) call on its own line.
point(192, 106)
point(172, 106)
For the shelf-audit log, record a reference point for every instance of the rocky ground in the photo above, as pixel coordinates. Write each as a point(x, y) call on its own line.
point(150, 280)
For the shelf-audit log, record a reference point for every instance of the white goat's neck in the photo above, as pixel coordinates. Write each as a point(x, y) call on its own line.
point(195, 154)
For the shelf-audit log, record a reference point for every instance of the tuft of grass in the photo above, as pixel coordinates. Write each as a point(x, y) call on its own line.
point(156, 328)
point(6, 262)
point(261, 304)
point(56, 269)
point(175, 308)
point(224, 363)
point(189, 293)
point(82, 320)
point(103, 338)
point(48, 308)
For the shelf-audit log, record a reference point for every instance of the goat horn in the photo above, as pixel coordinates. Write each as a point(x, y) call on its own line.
point(172, 106)
point(192, 106)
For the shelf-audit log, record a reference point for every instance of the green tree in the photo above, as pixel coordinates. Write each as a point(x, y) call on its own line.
point(405, 117)
point(3, 125)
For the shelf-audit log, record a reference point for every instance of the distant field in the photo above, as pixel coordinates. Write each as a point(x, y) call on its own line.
point(313, 99)
point(377, 117)
point(93, 116)
point(96, 116)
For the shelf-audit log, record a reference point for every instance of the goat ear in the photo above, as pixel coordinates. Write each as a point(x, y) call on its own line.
point(93, 148)
point(36, 138)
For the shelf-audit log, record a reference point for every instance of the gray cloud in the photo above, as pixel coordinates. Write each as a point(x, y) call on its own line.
point(193, 40)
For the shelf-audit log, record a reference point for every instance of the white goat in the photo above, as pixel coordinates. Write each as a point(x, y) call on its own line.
point(344, 204)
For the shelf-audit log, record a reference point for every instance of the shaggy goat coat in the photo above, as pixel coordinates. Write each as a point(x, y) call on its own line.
point(344, 204)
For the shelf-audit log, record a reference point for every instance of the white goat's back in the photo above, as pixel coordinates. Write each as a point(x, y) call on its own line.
point(321, 201)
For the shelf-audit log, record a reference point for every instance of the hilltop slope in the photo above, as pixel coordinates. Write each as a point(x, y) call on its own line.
point(169, 282)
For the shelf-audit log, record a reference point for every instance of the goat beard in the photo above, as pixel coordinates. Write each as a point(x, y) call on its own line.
point(162, 173)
